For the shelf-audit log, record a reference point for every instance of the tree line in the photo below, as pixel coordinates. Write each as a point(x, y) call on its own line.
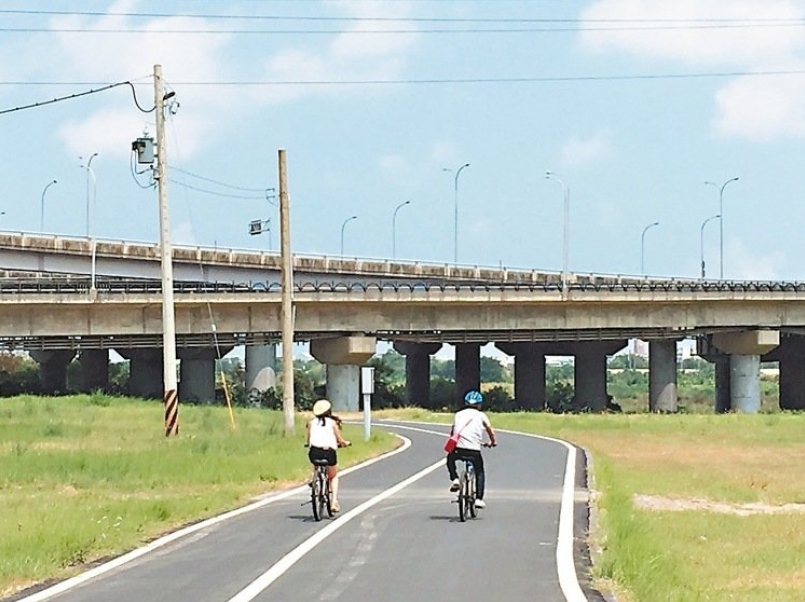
point(627, 382)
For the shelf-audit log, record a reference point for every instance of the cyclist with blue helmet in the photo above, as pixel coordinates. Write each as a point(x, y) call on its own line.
point(470, 422)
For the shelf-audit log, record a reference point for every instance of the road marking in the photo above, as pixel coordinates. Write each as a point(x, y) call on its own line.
point(256, 587)
point(68, 584)
point(565, 563)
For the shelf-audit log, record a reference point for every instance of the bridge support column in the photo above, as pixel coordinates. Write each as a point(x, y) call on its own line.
point(417, 370)
point(745, 349)
point(197, 374)
point(344, 356)
point(94, 370)
point(723, 392)
point(662, 391)
point(745, 383)
point(529, 374)
point(590, 373)
point(791, 357)
point(53, 369)
point(261, 367)
point(468, 370)
point(146, 373)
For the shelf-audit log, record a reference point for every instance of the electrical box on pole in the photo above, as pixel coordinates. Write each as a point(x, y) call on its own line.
point(144, 147)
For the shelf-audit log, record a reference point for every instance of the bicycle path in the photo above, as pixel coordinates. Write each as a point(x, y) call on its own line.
point(397, 538)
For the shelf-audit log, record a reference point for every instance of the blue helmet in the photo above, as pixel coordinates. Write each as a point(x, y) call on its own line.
point(473, 398)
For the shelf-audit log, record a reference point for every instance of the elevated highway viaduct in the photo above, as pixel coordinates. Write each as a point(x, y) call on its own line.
point(344, 306)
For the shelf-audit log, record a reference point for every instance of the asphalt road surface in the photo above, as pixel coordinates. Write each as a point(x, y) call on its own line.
point(397, 538)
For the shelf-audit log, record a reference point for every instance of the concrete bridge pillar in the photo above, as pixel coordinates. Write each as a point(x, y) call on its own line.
point(468, 370)
point(723, 402)
point(261, 367)
point(417, 370)
point(146, 372)
point(662, 391)
point(745, 383)
point(529, 374)
point(53, 368)
point(197, 373)
point(745, 349)
point(791, 357)
point(344, 356)
point(590, 373)
point(94, 370)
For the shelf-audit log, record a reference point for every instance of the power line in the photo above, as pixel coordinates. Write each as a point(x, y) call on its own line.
point(223, 184)
point(507, 30)
point(217, 193)
point(383, 19)
point(428, 81)
point(74, 96)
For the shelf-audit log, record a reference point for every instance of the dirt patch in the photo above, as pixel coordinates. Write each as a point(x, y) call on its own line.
point(665, 504)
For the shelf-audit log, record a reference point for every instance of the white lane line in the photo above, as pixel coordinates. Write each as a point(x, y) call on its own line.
point(68, 584)
point(565, 563)
point(256, 587)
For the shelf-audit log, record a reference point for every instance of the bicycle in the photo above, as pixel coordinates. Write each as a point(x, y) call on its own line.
point(466, 489)
point(320, 492)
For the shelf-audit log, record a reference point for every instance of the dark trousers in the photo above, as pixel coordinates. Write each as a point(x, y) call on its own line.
point(477, 463)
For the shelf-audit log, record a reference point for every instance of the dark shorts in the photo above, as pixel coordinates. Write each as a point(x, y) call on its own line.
point(320, 455)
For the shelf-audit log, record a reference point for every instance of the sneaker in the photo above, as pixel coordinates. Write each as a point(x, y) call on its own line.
point(480, 504)
point(335, 507)
point(454, 486)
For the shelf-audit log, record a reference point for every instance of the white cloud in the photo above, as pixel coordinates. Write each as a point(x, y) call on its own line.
point(761, 112)
point(578, 152)
point(131, 55)
point(753, 107)
point(183, 234)
point(741, 263)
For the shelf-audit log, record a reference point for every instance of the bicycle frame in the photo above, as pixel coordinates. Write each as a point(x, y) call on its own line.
point(466, 491)
point(320, 493)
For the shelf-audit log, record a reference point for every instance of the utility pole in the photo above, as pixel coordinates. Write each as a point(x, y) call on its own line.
point(287, 299)
point(171, 396)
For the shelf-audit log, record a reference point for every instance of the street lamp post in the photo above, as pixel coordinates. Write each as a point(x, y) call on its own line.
point(721, 222)
point(42, 207)
point(701, 240)
point(643, 246)
point(90, 172)
point(566, 229)
point(92, 221)
point(349, 219)
point(455, 208)
point(394, 229)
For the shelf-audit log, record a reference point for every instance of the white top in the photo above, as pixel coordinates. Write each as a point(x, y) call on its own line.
point(323, 435)
point(471, 423)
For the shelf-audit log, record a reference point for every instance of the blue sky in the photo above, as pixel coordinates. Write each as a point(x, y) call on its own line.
point(633, 103)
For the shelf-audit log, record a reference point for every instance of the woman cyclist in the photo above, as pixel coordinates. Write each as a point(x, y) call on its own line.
point(471, 423)
point(323, 437)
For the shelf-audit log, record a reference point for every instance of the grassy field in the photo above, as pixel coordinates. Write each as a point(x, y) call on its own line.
point(89, 476)
point(690, 507)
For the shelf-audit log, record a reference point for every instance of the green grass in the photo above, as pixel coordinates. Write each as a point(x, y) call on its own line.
point(649, 555)
point(84, 477)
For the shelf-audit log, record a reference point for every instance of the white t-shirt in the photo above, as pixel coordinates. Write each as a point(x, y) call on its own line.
point(471, 423)
point(323, 435)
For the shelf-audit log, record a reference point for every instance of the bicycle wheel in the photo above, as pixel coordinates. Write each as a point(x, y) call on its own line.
point(462, 497)
point(471, 509)
point(315, 494)
point(323, 500)
point(328, 499)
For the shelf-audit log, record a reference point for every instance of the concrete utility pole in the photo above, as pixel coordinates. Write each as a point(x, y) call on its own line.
point(287, 299)
point(171, 396)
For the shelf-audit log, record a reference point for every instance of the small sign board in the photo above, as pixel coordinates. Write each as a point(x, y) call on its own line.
point(367, 380)
point(255, 227)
